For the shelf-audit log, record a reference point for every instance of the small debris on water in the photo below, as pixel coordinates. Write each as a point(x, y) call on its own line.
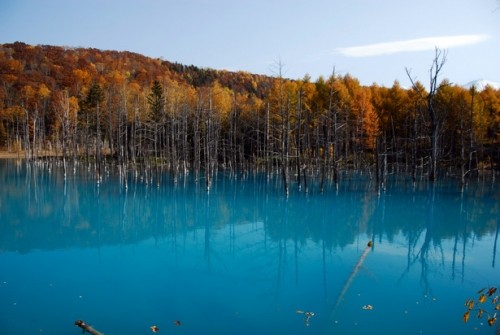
point(307, 315)
point(367, 307)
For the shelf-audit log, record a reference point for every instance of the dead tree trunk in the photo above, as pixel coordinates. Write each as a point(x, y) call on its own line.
point(333, 111)
point(435, 122)
point(285, 129)
point(98, 143)
point(471, 131)
point(298, 144)
point(267, 144)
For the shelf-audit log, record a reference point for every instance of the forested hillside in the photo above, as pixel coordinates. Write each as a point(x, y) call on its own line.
point(98, 106)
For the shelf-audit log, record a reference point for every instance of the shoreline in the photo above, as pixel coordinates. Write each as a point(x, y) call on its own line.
point(11, 155)
point(5, 154)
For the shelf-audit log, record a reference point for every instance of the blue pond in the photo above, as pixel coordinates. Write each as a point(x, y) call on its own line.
point(242, 259)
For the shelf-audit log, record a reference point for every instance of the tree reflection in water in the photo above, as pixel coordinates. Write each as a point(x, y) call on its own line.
point(291, 247)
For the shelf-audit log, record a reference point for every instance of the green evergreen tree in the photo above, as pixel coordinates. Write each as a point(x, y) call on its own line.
point(156, 101)
point(92, 109)
point(94, 96)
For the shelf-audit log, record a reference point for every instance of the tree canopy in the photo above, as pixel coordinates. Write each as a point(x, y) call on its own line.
point(65, 99)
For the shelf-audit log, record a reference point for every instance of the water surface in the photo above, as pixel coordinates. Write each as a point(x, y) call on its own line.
point(241, 259)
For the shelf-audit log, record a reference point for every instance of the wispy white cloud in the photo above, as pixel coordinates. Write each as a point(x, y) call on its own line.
point(418, 44)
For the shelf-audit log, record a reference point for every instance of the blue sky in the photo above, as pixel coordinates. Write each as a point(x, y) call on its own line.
point(373, 40)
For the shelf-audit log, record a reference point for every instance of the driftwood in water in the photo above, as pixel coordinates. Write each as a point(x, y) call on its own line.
point(351, 277)
point(87, 328)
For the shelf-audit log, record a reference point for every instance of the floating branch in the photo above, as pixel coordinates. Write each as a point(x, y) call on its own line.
point(87, 328)
point(353, 274)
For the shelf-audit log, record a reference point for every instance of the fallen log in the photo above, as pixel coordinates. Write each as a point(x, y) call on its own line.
point(87, 328)
point(351, 278)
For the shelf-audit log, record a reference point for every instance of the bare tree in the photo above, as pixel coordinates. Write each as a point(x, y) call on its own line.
point(333, 111)
point(435, 122)
point(65, 125)
point(284, 113)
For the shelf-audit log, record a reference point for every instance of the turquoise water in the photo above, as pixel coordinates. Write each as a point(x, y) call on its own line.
point(241, 259)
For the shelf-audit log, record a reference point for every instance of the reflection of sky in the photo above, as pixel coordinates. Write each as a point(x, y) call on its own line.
point(237, 261)
point(480, 253)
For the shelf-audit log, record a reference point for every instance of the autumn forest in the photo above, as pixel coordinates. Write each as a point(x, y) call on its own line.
point(151, 116)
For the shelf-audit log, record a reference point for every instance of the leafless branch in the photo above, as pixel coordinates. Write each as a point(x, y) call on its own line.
point(413, 83)
point(437, 64)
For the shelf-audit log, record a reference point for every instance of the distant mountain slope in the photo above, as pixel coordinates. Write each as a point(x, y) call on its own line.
point(57, 66)
point(480, 84)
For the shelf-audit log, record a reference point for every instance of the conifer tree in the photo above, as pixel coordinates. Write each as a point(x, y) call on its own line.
point(91, 106)
point(156, 101)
